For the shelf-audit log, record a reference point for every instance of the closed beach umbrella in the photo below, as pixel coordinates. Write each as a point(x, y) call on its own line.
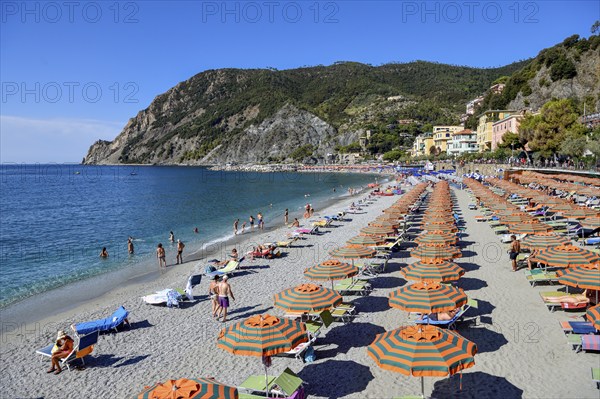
point(586, 277)
point(427, 297)
point(422, 351)
point(529, 228)
point(377, 231)
point(432, 270)
point(439, 238)
point(593, 316)
point(331, 269)
point(567, 256)
point(543, 241)
point(197, 388)
point(309, 298)
point(435, 252)
point(364, 241)
point(263, 336)
point(352, 252)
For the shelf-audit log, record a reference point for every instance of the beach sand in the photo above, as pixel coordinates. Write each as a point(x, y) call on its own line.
point(522, 350)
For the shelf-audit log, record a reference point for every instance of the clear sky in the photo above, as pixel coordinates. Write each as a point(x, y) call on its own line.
point(74, 72)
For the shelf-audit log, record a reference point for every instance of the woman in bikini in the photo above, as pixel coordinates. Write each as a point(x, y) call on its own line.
point(64, 347)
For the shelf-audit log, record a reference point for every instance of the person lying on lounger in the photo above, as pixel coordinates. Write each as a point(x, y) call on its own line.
point(575, 298)
point(443, 316)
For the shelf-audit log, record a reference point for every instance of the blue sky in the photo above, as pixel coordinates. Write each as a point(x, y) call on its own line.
point(72, 74)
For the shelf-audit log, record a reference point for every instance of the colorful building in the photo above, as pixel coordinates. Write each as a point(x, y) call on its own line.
point(485, 125)
point(441, 135)
point(464, 141)
point(422, 144)
point(508, 124)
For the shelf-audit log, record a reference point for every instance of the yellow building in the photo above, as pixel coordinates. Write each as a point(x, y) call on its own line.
point(422, 145)
point(485, 127)
point(441, 135)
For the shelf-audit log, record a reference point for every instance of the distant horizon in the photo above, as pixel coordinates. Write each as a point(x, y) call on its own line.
point(73, 74)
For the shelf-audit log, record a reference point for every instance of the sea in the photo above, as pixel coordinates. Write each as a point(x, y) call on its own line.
point(56, 218)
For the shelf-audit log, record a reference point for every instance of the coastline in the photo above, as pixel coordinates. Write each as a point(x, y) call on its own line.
point(66, 301)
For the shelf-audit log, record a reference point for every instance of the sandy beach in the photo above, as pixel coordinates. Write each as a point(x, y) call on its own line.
point(522, 351)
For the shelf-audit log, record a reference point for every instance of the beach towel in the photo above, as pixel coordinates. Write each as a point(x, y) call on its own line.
point(173, 298)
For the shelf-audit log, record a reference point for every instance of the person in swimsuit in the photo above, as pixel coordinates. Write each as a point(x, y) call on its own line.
point(251, 222)
point(285, 216)
point(515, 249)
point(296, 223)
point(180, 247)
point(64, 346)
point(212, 294)
point(223, 294)
point(235, 226)
point(261, 222)
point(443, 316)
point(161, 256)
point(130, 245)
point(104, 253)
point(171, 237)
point(243, 227)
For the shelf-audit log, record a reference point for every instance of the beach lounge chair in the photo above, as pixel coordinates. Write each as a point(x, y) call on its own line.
point(344, 312)
point(577, 327)
point(350, 286)
point(552, 306)
point(109, 323)
point(537, 276)
point(391, 245)
point(596, 376)
point(471, 303)
point(83, 346)
point(287, 385)
point(589, 342)
point(230, 268)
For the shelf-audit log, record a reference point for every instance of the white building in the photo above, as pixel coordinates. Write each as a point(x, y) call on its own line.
point(464, 141)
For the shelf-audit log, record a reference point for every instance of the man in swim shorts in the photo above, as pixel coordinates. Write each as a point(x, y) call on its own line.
point(180, 247)
point(160, 255)
point(224, 292)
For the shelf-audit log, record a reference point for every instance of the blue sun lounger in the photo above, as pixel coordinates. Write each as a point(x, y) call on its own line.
point(109, 323)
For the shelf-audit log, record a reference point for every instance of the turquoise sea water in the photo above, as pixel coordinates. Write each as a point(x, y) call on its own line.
point(55, 219)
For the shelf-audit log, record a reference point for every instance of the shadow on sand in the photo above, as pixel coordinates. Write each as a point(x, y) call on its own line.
point(344, 337)
point(475, 385)
point(336, 378)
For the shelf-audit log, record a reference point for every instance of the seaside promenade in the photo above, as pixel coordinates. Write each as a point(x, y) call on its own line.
point(522, 351)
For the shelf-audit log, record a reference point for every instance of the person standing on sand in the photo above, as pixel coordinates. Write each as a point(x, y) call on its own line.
point(515, 249)
point(161, 256)
point(223, 294)
point(104, 253)
point(311, 211)
point(171, 237)
point(235, 226)
point(212, 294)
point(180, 247)
point(251, 223)
point(261, 222)
point(285, 216)
point(130, 245)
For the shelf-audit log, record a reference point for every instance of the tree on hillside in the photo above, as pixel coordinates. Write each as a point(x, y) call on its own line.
point(595, 28)
point(546, 131)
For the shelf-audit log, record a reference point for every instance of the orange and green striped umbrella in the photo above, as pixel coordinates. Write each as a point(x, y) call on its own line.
point(331, 269)
point(529, 228)
point(352, 252)
point(580, 213)
point(197, 388)
point(446, 228)
point(438, 238)
point(543, 241)
point(309, 298)
point(262, 335)
point(438, 219)
point(511, 212)
point(377, 231)
point(422, 351)
point(433, 270)
point(593, 316)
point(592, 222)
point(567, 256)
point(435, 252)
point(559, 207)
point(364, 241)
point(427, 297)
point(587, 277)
point(517, 219)
point(385, 223)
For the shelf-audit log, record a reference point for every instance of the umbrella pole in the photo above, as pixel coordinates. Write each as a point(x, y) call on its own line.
point(423, 387)
point(267, 380)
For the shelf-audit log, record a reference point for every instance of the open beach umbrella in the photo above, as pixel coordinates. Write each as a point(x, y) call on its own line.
point(263, 336)
point(580, 213)
point(384, 223)
point(331, 270)
point(435, 252)
point(543, 241)
point(593, 316)
point(438, 238)
point(591, 222)
point(427, 297)
point(309, 298)
point(377, 231)
point(446, 228)
point(529, 228)
point(438, 219)
point(517, 219)
point(560, 207)
point(432, 270)
point(365, 241)
point(197, 388)
point(567, 256)
point(348, 252)
point(422, 351)
point(586, 277)
point(510, 212)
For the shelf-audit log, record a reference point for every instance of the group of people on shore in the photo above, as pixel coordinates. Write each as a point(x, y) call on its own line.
point(260, 224)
